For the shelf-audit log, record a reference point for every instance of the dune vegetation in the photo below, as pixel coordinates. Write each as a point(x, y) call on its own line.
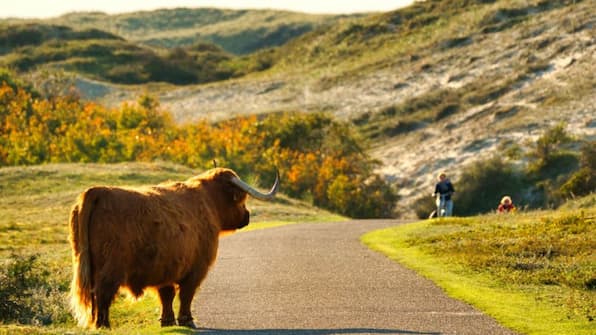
point(179, 46)
point(354, 111)
point(238, 32)
point(104, 56)
point(533, 272)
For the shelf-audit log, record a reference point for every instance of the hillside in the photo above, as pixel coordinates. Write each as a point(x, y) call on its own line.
point(236, 31)
point(435, 86)
point(178, 46)
point(100, 55)
point(90, 54)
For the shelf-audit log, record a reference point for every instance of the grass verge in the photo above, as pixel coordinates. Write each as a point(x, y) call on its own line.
point(499, 265)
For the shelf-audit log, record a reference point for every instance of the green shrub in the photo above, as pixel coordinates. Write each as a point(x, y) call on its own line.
point(554, 173)
point(482, 185)
point(588, 155)
point(583, 181)
point(424, 206)
point(558, 165)
point(373, 198)
point(544, 150)
point(27, 294)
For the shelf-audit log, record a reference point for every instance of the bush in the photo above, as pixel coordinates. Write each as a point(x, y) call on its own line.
point(583, 181)
point(554, 173)
point(10, 79)
point(588, 155)
point(484, 183)
point(369, 199)
point(27, 296)
point(424, 206)
point(323, 160)
point(544, 152)
point(557, 168)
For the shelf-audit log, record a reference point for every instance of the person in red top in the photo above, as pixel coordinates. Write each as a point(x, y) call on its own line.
point(506, 205)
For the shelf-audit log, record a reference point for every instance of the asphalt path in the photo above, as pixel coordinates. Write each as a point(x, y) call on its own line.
point(319, 279)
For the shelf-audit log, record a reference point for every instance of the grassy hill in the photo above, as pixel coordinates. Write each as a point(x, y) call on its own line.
point(179, 46)
point(236, 31)
point(104, 56)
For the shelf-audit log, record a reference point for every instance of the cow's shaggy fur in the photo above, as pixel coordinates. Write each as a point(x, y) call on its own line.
point(164, 237)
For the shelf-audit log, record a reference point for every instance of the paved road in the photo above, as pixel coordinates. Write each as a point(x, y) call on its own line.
point(318, 279)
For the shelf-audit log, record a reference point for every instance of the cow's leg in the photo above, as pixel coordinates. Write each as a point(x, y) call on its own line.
point(166, 296)
point(187, 292)
point(105, 294)
point(187, 289)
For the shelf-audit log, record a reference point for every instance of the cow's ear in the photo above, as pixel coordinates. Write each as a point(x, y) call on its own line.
point(237, 194)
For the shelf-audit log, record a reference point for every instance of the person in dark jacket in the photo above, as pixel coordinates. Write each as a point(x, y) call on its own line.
point(443, 192)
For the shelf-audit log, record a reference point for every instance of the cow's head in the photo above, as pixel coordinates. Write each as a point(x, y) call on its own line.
point(231, 193)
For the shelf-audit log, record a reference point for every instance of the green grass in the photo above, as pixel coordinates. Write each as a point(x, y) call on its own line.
point(532, 272)
point(35, 203)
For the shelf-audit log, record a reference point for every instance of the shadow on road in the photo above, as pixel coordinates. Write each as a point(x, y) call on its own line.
point(213, 331)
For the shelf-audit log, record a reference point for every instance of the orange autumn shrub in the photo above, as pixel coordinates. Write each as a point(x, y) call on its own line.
point(319, 159)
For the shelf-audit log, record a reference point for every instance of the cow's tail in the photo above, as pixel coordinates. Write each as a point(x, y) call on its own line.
point(81, 289)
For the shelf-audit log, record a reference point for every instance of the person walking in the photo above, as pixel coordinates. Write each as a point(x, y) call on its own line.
point(443, 192)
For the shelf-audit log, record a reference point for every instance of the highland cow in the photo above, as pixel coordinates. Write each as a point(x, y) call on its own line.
point(163, 237)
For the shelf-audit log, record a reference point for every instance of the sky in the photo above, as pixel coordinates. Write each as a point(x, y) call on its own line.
point(52, 8)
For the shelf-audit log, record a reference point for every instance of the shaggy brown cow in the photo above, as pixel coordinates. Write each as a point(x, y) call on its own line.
point(164, 237)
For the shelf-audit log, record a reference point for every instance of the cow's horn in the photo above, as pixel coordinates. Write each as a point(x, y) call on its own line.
point(253, 192)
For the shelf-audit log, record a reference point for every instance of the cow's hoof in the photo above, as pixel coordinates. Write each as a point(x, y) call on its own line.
point(102, 326)
point(186, 322)
point(168, 322)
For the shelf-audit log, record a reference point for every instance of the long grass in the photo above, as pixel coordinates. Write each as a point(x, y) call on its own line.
point(533, 272)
